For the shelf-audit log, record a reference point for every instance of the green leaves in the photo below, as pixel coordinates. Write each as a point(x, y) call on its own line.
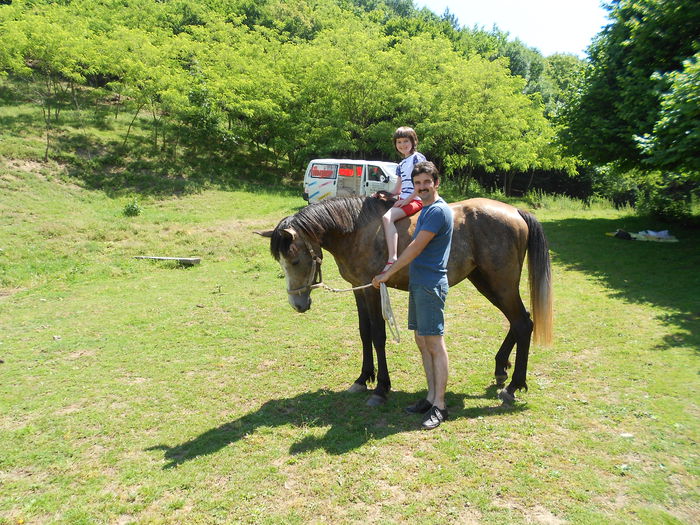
point(675, 140)
point(638, 106)
point(286, 81)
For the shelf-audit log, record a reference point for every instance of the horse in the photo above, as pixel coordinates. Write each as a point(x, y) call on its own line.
point(489, 243)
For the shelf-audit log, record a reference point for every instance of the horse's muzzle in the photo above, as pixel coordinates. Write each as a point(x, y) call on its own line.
point(301, 303)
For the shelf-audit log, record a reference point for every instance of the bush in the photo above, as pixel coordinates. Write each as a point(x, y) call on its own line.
point(132, 209)
point(668, 203)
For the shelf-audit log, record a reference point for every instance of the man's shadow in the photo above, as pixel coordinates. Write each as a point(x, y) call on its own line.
point(351, 422)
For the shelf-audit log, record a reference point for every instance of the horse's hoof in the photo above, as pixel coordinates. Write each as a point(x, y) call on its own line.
point(357, 388)
point(501, 380)
point(507, 398)
point(375, 400)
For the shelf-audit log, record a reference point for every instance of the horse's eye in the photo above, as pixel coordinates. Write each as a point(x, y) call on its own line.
point(295, 262)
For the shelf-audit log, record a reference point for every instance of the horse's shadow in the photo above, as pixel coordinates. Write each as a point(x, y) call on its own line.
point(351, 423)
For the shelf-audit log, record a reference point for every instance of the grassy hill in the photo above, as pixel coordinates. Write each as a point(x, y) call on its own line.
point(134, 391)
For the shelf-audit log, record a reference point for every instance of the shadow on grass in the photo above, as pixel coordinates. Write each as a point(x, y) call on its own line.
point(661, 274)
point(108, 163)
point(351, 422)
point(122, 171)
point(22, 122)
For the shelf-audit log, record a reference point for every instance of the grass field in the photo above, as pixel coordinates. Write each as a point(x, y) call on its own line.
point(134, 391)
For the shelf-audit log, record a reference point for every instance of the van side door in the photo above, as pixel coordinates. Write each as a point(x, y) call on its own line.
point(377, 180)
point(349, 179)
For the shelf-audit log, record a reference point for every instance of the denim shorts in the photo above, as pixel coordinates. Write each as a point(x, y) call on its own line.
point(426, 309)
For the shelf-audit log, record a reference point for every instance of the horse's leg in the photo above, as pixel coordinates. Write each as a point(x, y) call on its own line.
point(506, 297)
point(367, 373)
point(373, 303)
point(521, 326)
point(502, 357)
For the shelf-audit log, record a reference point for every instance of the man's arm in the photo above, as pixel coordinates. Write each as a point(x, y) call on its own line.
point(412, 251)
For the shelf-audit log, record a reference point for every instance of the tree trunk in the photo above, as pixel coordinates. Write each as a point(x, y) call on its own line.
point(128, 130)
point(529, 182)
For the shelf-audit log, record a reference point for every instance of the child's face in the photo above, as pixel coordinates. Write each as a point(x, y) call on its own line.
point(404, 146)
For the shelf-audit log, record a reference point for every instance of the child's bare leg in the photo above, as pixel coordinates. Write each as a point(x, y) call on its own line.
point(391, 235)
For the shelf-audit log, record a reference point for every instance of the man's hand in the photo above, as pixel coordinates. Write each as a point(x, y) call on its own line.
point(378, 279)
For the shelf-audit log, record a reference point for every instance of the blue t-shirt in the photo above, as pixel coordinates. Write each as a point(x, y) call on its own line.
point(430, 267)
point(404, 170)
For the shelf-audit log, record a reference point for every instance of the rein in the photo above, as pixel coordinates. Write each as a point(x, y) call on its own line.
point(387, 312)
point(316, 281)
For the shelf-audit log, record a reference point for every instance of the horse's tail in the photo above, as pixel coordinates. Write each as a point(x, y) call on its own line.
point(540, 277)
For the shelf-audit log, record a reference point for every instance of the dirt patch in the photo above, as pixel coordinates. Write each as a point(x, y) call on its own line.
point(537, 514)
point(541, 515)
point(81, 353)
point(27, 166)
point(8, 292)
point(70, 409)
point(234, 227)
point(133, 380)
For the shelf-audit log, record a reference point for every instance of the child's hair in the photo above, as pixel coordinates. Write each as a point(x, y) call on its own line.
point(404, 132)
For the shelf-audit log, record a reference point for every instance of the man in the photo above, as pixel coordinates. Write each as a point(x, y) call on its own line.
point(427, 255)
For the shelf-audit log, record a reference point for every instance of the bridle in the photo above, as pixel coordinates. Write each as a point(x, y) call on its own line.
point(315, 279)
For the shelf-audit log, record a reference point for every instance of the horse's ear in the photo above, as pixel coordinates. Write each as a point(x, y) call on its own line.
point(265, 233)
point(292, 232)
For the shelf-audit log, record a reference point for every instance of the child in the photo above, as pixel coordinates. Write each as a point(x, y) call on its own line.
point(408, 203)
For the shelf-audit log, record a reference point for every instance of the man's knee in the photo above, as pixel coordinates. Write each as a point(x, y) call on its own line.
point(435, 344)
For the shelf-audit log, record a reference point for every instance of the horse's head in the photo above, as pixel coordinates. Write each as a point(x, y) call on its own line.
point(300, 258)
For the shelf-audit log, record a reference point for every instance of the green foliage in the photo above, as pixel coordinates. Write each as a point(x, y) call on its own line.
point(675, 141)
point(562, 76)
point(666, 197)
point(524, 62)
point(281, 82)
point(638, 105)
point(620, 98)
point(132, 209)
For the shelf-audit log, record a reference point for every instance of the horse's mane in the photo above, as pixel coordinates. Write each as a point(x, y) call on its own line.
point(338, 214)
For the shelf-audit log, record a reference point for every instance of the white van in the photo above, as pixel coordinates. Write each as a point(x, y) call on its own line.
point(342, 177)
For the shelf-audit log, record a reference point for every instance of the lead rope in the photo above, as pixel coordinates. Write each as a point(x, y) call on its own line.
point(387, 312)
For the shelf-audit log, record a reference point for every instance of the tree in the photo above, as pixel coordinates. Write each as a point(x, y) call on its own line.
point(675, 141)
point(621, 116)
point(281, 82)
point(56, 50)
point(562, 75)
point(474, 115)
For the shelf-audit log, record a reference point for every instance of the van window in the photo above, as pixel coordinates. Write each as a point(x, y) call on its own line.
point(323, 171)
point(375, 173)
point(350, 170)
